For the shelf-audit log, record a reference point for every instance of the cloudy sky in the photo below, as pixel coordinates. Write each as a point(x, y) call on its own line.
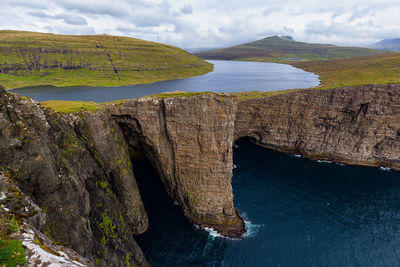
point(210, 23)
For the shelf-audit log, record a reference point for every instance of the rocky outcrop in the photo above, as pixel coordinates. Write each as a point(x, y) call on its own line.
point(78, 169)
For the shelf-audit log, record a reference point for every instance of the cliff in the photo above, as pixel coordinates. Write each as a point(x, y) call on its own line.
point(354, 125)
point(77, 167)
point(84, 185)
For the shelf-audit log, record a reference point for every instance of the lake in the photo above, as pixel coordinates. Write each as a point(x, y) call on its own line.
point(299, 213)
point(227, 77)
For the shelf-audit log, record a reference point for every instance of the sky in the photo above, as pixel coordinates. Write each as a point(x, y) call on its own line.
point(210, 23)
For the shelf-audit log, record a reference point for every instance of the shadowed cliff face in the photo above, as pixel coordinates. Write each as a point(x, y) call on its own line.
point(354, 125)
point(189, 142)
point(77, 167)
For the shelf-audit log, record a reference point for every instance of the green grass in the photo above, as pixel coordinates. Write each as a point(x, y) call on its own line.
point(380, 69)
point(67, 107)
point(177, 94)
point(11, 253)
point(29, 59)
point(60, 106)
point(283, 49)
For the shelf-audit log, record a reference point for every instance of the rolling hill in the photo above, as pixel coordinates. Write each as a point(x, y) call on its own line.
point(284, 48)
point(388, 44)
point(29, 58)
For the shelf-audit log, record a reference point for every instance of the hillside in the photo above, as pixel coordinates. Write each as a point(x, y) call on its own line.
point(388, 44)
point(284, 49)
point(28, 58)
point(378, 69)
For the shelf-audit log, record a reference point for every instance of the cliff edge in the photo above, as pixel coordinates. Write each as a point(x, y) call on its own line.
point(77, 167)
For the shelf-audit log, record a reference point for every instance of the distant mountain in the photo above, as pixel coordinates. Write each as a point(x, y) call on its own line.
point(285, 48)
point(388, 44)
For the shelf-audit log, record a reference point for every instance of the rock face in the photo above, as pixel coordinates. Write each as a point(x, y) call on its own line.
point(39, 249)
point(77, 167)
point(189, 142)
point(85, 186)
point(354, 125)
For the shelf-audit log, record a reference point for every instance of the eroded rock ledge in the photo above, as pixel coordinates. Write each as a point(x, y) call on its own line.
point(77, 167)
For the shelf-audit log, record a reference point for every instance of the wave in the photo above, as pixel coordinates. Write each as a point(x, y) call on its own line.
point(386, 169)
point(251, 228)
point(234, 166)
point(324, 161)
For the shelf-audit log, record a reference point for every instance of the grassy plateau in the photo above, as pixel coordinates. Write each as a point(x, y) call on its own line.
point(29, 59)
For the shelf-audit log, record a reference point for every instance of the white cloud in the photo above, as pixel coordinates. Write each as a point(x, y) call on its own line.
point(210, 22)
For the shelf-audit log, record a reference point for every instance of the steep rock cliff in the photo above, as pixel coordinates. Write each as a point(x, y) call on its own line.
point(354, 125)
point(189, 142)
point(84, 185)
point(77, 167)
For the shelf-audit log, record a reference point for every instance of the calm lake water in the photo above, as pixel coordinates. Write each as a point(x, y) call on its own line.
point(299, 213)
point(228, 77)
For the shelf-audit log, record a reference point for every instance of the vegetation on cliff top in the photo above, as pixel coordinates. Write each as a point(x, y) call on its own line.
point(285, 49)
point(60, 106)
point(29, 58)
point(379, 69)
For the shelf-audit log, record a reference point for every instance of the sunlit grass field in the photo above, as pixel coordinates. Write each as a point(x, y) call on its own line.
point(29, 59)
point(378, 69)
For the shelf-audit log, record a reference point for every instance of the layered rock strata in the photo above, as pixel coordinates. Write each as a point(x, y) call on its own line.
point(78, 169)
point(355, 125)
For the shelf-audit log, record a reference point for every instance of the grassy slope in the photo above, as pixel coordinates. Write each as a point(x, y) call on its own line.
point(282, 49)
point(28, 58)
point(356, 71)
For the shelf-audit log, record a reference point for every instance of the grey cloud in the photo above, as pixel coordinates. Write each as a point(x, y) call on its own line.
point(69, 19)
point(127, 30)
point(73, 20)
point(39, 14)
point(187, 10)
point(66, 29)
point(112, 9)
point(358, 14)
point(213, 22)
point(26, 4)
point(270, 10)
point(342, 30)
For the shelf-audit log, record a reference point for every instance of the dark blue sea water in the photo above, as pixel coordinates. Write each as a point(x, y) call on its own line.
point(228, 77)
point(299, 213)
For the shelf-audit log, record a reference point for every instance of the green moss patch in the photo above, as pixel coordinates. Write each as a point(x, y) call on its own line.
point(11, 253)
